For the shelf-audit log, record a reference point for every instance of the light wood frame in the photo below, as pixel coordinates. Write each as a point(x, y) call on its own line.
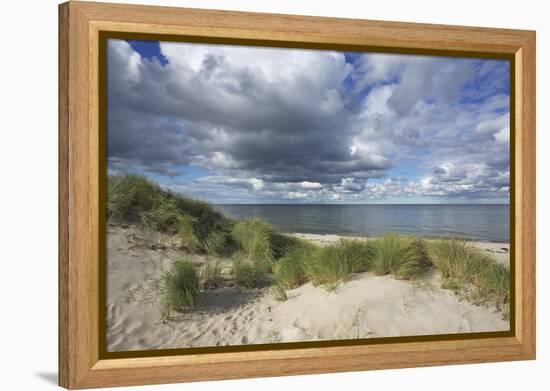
point(80, 24)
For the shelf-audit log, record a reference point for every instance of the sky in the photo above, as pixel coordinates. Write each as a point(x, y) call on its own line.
point(236, 124)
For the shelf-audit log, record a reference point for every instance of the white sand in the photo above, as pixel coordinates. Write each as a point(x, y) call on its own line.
point(366, 306)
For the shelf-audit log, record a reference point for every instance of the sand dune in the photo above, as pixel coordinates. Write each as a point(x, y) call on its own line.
point(366, 306)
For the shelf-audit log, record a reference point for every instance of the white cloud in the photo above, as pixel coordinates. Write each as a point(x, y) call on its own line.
point(494, 125)
point(310, 185)
point(252, 183)
point(503, 136)
point(296, 195)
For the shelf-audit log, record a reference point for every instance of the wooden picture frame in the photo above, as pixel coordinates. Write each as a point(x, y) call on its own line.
point(81, 363)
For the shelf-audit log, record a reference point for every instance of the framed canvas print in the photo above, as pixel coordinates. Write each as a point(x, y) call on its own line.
point(251, 195)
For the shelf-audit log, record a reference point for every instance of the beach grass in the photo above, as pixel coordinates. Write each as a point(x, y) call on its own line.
point(403, 256)
point(163, 217)
point(211, 273)
point(244, 271)
point(135, 199)
point(495, 280)
point(254, 237)
point(180, 286)
point(130, 195)
point(212, 231)
point(461, 266)
point(186, 232)
point(335, 263)
point(290, 272)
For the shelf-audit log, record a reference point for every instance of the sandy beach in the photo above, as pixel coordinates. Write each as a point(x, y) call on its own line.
point(367, 306)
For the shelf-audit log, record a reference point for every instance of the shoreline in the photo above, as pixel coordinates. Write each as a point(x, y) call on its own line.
point(371, 237)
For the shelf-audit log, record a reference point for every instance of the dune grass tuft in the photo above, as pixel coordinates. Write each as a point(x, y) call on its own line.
point(461, 264)
point(254, 237)
point(211, 273)
point(129, 195)
point(403, 256)
point(335, 263)
point(212, 231)
point(163, 217)
point(180, 286)
point(245, 272)
point(281, 244)
point(135, 199)
point(289, 271)
point(208, 238)
point(186, 231)
point(457, 260)
point(495, 281)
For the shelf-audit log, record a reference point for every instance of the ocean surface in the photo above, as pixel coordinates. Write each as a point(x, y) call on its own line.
point(477, 222)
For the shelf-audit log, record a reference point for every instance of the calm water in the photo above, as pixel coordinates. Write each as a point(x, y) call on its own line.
point(481, 222)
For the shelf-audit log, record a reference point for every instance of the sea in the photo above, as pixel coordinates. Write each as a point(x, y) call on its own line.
point(485, 222)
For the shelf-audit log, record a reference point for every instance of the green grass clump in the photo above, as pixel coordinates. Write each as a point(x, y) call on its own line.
point(214, 242)
point(281, 244)
point(254, 237)
point(180, 286)
point(245, 272)
point(186, 231)
point(212, 231)
point(465, 265)
point(130, 195)
point(135, 199)
point(335, 263)
point(403, 256)
point(495, 280)
point(202, 236)
point(164, 217)
point(455, 259)
point(211, 274)
point(290, 272)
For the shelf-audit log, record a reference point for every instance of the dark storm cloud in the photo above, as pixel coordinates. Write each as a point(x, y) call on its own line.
point(184, 116)
point(307, 125)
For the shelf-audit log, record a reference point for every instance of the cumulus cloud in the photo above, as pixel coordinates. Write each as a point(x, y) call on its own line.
point(246, 124)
